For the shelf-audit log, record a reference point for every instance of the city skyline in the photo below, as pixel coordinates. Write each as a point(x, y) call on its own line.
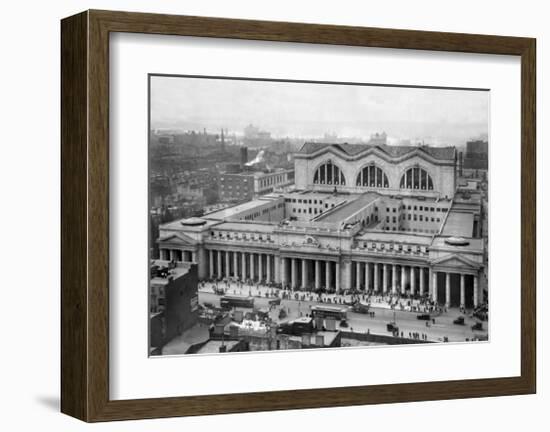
point(436, 116)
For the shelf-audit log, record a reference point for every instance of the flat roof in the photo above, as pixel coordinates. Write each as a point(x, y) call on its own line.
point(341, 213)
point(458, 224)
point(246, 226)
point(395, 236)
point(476, 245)
point(177, 224)
point(306, 192)
point(232, 211)
point(175, 272)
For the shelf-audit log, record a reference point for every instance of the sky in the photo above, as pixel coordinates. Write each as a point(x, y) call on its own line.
point(309, 110)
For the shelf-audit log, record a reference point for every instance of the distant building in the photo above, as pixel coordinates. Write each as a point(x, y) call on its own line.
point(254, 137)
point(173, 290)
point(246, 185)
point(477, 155)
point(378, 139)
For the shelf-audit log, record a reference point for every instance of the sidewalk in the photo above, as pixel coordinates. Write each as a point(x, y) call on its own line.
point(389, 302)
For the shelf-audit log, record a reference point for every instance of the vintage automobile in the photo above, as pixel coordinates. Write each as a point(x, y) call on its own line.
point(344, 323)
point(360, 307)
point(274, 302)
point(477, 326)
point(425, 317)
point(391, 327)
point(459, 320)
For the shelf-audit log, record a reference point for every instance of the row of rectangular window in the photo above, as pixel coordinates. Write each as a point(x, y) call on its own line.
point(303, 201)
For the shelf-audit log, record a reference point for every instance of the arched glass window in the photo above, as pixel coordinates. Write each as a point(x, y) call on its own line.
point(416, 178)
point(372, 176)
point(329, 174)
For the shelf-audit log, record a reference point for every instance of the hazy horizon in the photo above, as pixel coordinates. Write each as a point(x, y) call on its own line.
point(306, 110)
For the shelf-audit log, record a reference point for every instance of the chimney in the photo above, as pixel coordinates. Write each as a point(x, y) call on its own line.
point(244, 156)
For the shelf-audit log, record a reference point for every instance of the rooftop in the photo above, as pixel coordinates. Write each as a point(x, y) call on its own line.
point(173, 273)
point(232, 211)
point(341, 213)
point(442, 153)
point(395, 236)
point(458, 224)
point(476, 245)
point(246, 226)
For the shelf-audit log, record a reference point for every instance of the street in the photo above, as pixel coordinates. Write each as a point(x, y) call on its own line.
point(357, 322)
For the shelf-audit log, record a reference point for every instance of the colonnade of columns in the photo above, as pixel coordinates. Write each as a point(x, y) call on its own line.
point(309, 274)
point(477, 295)
point(394, 278)
point(397, 278)
point(177, 255)
point(243, 265)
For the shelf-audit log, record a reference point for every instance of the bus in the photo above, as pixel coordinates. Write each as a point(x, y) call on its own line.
point(297, 327)
point(335, 312)
point(231, 301)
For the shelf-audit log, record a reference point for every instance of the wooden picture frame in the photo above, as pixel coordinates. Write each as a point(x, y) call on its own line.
point(85, 215)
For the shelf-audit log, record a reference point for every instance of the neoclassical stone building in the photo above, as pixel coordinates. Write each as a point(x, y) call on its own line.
point(366, 217)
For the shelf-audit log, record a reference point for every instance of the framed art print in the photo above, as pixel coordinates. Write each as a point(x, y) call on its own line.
point(267, 215)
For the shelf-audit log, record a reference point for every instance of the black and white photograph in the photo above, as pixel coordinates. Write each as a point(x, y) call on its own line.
point(290, 215)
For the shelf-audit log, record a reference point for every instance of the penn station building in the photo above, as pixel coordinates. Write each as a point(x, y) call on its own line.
point(374, 218)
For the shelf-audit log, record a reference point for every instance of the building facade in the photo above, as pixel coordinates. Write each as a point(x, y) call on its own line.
point(173, 299)
point(377, 218)
point(477, 155)
point(246, 185)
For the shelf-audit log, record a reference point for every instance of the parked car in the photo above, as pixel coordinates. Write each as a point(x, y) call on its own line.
point(274, 302)
point(391, 327)
point(477, 326)
point(425, 317)
point(459, 320)
point(360, 307)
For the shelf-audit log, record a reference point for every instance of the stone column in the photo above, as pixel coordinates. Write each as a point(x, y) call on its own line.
point(327, 275)
point(284, 271)
point(403, 279)
point(447, 289)
point(376, 287)
point(252, 266)
point(235, 264)
point(462, 291)
point(413, 281)
point(219, 264)
point(304, 274)
point(367, 276)
point(421, 277)
point(337, 276)
point(384, 278)
point(268, 268)
point(317, 274)
point(476, 291)
point(293, 273)
point(260, 267)
point(277, 268)
point(243, 265)
point(227, 265)
point(357, 275)
point(211, 262)
point(434, 287)
point(394, 279)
